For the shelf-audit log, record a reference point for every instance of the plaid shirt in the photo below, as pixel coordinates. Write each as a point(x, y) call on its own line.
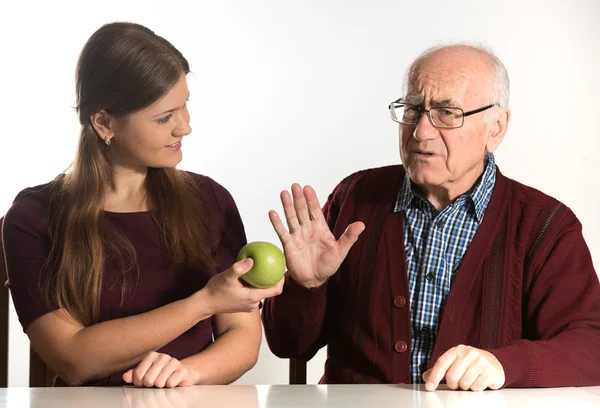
point(435, 243)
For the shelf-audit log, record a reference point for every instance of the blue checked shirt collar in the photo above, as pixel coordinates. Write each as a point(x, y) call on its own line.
point(479, 195)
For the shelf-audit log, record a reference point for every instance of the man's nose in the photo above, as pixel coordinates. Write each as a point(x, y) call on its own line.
point(424, 130)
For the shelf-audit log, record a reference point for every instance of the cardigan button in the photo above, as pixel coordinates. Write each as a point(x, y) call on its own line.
point(400, 347)
point(399, 301)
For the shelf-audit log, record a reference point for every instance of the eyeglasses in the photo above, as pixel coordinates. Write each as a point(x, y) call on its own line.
point(442, 117)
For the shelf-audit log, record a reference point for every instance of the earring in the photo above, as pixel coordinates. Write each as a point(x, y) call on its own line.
point(107, 140)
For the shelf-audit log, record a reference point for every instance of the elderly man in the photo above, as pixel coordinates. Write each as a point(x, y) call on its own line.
point(441, 269)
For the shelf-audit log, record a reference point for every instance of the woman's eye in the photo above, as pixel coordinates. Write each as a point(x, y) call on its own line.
point(165, 119)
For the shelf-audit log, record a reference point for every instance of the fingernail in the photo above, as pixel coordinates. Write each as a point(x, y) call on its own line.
point(429, 386)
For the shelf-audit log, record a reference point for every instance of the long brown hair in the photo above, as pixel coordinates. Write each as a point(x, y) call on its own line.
point(123, 68)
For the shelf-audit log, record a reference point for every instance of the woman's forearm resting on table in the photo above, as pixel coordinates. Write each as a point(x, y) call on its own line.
point(235, 350)
point(80, 354)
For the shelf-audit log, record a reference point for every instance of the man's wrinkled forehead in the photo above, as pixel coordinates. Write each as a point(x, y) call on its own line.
point(439, 87)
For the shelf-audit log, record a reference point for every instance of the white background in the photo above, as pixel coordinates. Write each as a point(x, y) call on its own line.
point(298, 91)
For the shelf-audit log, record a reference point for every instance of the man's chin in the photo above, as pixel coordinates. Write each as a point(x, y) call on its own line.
point(425, 178)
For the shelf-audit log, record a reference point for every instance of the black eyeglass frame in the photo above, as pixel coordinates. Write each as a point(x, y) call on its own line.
point(421, 110)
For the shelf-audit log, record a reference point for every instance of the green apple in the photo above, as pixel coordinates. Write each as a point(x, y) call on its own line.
point(269, 264)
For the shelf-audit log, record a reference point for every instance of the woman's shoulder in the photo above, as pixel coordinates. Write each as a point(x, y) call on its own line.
point(212, 191)
point(32, 201)
point(204, 181)
point(29, 210)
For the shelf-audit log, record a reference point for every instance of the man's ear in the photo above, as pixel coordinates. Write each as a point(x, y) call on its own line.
point(498, 129)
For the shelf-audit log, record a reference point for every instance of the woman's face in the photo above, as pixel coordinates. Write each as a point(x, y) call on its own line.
point(152, 136)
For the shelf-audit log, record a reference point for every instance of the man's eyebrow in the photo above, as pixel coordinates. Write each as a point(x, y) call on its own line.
point(418, 100)
point(442, 103)
point(414, 99)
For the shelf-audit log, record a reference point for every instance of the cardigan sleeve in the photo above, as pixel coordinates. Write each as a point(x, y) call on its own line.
point(561, 315)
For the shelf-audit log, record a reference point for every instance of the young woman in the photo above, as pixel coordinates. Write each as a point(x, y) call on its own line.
point(123, 269)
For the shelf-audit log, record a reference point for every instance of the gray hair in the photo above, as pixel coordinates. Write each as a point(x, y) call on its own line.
point(500, 84)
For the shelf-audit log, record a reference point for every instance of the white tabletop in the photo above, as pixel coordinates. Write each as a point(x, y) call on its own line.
point(292, 396)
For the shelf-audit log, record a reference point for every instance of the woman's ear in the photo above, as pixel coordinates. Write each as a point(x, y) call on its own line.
point(103, 125)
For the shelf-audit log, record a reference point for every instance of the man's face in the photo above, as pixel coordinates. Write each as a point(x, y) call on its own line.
point(448, 158)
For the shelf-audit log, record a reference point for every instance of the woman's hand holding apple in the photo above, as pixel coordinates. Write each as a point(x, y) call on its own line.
point(226, 293)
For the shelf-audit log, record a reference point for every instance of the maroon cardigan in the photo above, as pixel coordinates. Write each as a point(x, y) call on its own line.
point(526, 291)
